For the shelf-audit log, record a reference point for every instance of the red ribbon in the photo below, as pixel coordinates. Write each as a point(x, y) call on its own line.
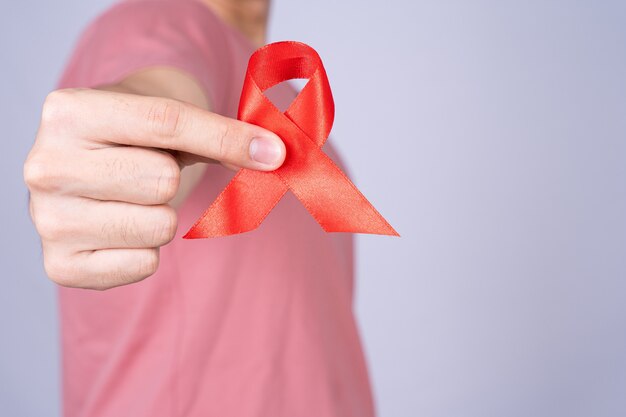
point(309, 173)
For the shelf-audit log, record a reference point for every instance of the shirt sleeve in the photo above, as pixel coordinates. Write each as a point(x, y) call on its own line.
point(138, 34)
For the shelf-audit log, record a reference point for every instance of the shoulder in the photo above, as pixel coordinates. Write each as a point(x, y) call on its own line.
point(136, 34)
point(190, 11)
point(182, 20)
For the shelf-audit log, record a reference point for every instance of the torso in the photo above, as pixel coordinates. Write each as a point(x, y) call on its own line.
point(257, 324)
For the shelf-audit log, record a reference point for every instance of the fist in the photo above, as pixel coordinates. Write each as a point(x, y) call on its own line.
point(105, 165)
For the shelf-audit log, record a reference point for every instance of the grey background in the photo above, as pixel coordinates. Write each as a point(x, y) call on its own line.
point(491, 134)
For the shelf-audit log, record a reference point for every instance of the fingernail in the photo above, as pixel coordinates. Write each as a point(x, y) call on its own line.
point(265, 151)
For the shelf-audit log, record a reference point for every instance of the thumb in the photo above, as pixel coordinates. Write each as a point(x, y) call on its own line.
point(169, 124)
point(235, 144)
point(204, 136)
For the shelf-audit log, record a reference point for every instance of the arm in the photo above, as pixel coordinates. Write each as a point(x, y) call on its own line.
point(106, 167)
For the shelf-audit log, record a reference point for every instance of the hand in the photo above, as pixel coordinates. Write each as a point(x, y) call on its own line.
point(105, 165)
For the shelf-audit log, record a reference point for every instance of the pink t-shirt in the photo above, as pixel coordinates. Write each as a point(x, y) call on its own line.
point(253, 325)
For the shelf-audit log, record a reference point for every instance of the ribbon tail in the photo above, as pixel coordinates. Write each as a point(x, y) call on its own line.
point(333, 200)
point(241, 206)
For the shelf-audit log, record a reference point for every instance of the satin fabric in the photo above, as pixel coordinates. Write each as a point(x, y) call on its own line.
point(329, 196)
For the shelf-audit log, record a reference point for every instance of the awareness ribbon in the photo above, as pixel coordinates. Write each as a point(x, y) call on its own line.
point(308, 172)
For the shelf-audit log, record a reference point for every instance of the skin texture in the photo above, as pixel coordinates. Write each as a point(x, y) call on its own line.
point(104, 189)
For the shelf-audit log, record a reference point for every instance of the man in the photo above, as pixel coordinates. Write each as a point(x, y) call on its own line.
point(258, 324)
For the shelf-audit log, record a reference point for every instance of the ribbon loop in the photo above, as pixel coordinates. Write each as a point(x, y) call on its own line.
point(321, 186)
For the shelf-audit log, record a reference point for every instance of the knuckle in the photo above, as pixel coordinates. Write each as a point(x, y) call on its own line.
point(40, 174)
point(222, 143)
point(167, 117)
point(165, 226)
point(51, 106)
point(35, 171)
point(60, 271)
point(168, 180)
point(57, 106)
point(49, 226)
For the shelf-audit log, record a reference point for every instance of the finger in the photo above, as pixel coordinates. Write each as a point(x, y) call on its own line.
point(92, 224)
point(108, 117)
point(122, 173)
point(101, 269)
